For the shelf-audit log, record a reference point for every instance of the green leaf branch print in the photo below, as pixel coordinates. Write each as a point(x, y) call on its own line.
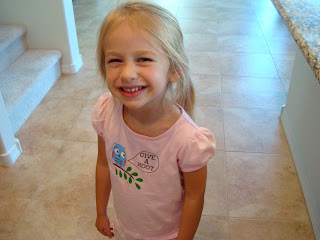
point(128, 176)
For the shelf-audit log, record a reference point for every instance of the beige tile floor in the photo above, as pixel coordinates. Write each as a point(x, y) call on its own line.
point(241, 56)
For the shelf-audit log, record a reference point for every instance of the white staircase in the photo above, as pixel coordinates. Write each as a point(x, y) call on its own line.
point(26, 75)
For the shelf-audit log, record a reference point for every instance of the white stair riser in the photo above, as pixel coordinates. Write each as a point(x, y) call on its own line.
point(12, 52)
point(12, 43)
point(33, 97)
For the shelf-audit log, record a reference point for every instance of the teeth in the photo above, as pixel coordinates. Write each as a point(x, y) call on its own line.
point(132, 89)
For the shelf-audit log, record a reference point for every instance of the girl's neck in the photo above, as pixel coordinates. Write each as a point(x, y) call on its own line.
point(152, 122)
point(148, 114)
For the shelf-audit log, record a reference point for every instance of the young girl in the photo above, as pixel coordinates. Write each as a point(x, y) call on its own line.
point(150, 152)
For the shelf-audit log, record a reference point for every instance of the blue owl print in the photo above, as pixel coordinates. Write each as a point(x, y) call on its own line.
point(119, 155)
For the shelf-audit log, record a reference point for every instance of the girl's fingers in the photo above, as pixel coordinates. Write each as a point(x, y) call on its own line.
point(103, 226)
point(109, 234)
point(106, 233)
point(103, 232)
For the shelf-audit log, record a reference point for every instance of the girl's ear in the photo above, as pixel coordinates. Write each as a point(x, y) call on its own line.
point(174, 76)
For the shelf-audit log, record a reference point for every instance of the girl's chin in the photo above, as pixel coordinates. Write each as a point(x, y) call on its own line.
point(133, 105)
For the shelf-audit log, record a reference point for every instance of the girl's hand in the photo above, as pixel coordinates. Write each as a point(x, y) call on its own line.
point(103, 226)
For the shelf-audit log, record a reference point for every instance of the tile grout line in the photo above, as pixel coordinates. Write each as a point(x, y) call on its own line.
point(49, 168)
point(257, 219)
point(265, 39)
point(224, 144)
point(224, 149)
point(268, 220)
point(84, 102)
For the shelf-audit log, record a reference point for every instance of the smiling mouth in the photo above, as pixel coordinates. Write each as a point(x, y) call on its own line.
point(131, 90)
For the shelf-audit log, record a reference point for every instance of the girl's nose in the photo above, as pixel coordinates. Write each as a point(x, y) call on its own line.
point(129, 72)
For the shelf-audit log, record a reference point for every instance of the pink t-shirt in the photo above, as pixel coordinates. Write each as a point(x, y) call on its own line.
point(146, 172)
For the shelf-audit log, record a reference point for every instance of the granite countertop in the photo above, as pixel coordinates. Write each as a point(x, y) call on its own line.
point(302, 17)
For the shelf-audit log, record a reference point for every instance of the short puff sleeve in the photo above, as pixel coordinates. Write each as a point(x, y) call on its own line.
point(100, 112)
point(197, 151)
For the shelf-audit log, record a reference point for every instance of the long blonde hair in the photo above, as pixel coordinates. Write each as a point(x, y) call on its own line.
point(164, 27)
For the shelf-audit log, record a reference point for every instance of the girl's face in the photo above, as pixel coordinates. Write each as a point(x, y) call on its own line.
point(137, 72)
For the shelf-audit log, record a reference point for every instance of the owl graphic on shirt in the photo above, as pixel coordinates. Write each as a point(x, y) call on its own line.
point(119, 155)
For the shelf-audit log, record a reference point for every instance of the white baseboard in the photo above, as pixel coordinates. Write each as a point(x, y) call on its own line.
point(8, 159)
point(303, 176)
point(72, 68)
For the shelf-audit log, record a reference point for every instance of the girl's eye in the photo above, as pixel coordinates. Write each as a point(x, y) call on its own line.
point(144, 60)
point(114, 60)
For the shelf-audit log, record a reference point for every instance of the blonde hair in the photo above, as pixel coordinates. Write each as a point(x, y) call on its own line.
point(164, 27)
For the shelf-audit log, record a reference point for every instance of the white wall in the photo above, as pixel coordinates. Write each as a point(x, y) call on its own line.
point(50, 24)
point(301, 121)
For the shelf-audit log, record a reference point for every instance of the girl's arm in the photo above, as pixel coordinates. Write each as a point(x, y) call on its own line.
point(194, 188)
point(103, 188)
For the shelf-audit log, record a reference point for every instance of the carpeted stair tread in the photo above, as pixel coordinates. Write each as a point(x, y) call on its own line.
point(9, 33)
point(18, 79)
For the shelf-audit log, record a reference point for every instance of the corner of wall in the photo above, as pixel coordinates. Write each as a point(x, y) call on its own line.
point(8, 159)
point(72, 68)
